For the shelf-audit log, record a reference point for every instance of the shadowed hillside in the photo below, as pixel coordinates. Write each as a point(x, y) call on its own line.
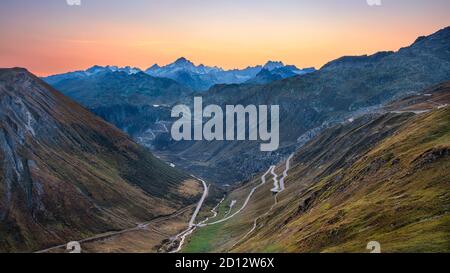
point(65, 174)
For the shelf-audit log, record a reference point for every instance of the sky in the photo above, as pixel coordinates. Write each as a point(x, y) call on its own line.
point(50, 36)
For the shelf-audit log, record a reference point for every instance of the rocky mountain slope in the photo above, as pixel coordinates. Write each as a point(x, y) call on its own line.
point(66, 174)
point(341, 90)
point(382, 177)
point(131, 101)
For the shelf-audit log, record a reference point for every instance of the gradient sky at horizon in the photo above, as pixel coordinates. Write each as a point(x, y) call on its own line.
point(49, 36)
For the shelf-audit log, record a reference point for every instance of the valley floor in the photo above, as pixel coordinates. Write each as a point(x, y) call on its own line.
point(149, 237)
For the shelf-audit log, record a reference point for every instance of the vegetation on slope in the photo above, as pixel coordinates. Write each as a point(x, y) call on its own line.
point(381, 177)
point(397, 194)
point(65, 174)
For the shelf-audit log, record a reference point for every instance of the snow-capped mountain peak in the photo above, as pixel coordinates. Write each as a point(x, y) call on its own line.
point(111, 68)
point(271, 65)
point(180, 65)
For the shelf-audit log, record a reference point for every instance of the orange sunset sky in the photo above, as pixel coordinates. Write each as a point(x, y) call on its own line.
point(49, 36)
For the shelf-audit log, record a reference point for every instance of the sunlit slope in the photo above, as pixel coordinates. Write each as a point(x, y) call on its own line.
point(397, 193)
point(383, 178)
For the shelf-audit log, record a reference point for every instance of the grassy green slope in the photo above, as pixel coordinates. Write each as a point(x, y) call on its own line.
point(397, 194)
point(382, 178)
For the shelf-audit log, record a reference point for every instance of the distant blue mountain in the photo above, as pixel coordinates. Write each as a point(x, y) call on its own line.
point(202, 77)
point(195, 77)
point(95, 70)
point(273, 71)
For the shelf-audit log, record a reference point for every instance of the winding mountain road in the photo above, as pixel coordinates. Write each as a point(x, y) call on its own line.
point(200, 203)
point(281, 189)
point(418, 112)
point(285, 173)
point(263, 181)
point(110, 234)
point(213, 211)
point(192, 226)
point(276, 184)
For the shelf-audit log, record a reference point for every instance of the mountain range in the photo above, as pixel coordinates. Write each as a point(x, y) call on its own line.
point(92, 71)
point(183, 71)
point(364, 156)
point(138, 102)
point(203, 77)
point(342, 89)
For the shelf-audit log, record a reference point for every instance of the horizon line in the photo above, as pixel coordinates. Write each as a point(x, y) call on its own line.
point(234, 68)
